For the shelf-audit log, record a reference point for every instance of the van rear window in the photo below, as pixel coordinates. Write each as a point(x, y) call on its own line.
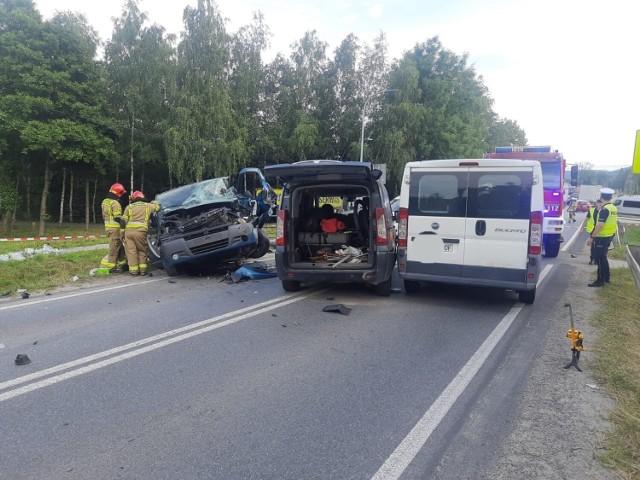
point(475, 195)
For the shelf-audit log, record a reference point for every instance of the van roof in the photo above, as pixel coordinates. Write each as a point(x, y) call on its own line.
point(466, 162)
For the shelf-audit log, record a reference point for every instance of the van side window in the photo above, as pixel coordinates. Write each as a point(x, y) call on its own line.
point(439, 194)
point(631, 204)
point(500, 195)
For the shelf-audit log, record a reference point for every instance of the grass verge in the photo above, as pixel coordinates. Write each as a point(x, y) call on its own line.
point(11, 247)
point(617, 366)
point(43, 272)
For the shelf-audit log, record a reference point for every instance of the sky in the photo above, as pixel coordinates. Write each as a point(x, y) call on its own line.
point(568, 71)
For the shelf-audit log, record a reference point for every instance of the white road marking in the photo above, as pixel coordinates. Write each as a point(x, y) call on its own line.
point(573, 238)
point(161, 339)
point(71, 295)
point(404, 453)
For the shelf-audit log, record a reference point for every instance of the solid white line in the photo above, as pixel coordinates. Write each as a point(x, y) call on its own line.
point(90, 292)
point(134, 353)
point(573, 238)
point(402, 456)
point(136, 344)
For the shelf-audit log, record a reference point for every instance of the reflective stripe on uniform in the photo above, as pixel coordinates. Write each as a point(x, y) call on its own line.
point(611, 223)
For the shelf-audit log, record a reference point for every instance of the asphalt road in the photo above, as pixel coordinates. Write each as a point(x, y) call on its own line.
point(197, 377)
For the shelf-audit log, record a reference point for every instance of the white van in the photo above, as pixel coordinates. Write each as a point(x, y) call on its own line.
point(628, 204)
point(471, 222)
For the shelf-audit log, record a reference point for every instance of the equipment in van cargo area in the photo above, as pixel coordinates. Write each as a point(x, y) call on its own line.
point(471, 222)
point(334, 225)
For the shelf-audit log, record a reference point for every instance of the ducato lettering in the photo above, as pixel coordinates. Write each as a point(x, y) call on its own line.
point(510, 230)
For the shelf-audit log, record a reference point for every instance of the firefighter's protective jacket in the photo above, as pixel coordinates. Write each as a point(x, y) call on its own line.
point(137, 214)
point(111, 212)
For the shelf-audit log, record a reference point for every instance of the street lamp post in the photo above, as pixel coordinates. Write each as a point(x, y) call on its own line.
point(364, 109)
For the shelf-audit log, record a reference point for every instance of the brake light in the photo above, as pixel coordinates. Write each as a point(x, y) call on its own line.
point(403, 225)
point(281, 224)
point(535, 234)
point(381, 228)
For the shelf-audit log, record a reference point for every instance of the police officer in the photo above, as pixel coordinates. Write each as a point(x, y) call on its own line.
point(112, 216)
point(137, 215)
point(592, 218)
point(602, 235)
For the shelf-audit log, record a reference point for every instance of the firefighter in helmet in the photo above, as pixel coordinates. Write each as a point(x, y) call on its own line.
point(136, 216)
point(112, 216)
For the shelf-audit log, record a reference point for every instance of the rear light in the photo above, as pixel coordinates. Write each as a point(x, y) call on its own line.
point(403, 224)
point(381, 228)
point(281, 224)
point(535, 234)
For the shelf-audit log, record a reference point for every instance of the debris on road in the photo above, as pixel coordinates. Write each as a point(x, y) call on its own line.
point(22, 359)
point(252, 272)
point(25, 295)
point(338, 308)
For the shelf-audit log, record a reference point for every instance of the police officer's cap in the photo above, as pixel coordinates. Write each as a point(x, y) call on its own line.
point(606, 192)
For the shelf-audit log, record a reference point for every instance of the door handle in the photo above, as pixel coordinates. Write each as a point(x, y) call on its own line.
point(481, 227)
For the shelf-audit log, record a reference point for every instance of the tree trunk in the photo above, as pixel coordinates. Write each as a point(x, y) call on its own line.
point(71, 197)
point(64, 182)
point(93, 201)
point(27, 187)
point(142, 181)
point(86, 203)
point(133, 118)
point(43, 201)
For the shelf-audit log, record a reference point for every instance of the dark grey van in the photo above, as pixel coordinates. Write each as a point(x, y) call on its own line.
point(334, 225)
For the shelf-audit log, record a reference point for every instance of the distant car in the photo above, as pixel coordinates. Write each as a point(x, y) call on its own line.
point(395, 206)
point(206, 223)
point(583, 206)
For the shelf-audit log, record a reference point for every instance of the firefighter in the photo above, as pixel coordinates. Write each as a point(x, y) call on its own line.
point(137, 215)
point(112, 215)
point(602, 236)
point(572, 210)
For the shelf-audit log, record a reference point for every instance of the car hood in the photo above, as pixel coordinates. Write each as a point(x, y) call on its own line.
point(213, 191)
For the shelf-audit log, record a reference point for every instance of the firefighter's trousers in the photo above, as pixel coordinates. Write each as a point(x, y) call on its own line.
point(116, 255)
point(136, 248)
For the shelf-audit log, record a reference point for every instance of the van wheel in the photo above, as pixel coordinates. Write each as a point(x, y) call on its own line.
point(411, 286)
point(290, 285)
point(527, 296)
point(384, 289)
point(551, 247)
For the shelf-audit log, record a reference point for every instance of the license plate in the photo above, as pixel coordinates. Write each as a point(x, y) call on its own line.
point(448, 247)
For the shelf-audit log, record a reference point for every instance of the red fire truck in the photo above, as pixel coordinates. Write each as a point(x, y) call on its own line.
point(553, 168)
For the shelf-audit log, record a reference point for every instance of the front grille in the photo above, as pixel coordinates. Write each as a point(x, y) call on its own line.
point(209, 247)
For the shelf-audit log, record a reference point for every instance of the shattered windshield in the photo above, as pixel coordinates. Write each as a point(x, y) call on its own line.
point(201, 193)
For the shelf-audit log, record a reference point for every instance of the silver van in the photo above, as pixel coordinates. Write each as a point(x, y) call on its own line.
point(471, 222)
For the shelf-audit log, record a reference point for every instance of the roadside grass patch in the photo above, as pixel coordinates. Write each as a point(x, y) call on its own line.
point(630, 236)
point(43, 272)
point(12, 247)
point(617, 366)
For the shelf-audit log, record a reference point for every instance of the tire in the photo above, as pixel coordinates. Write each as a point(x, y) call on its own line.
point(384, 289)
point(411, 286)
point(263, 245)
point(290, 285)
point(551, 247)
point(527, 296)
point(153, 249)
point(172, 270)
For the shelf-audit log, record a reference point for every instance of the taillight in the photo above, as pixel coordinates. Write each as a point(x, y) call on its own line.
point(281, 239)
point(381, 228)
point(535, 234)
point(403, 224)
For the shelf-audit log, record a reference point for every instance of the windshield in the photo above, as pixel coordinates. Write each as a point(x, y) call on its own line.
point(207, 191)
point(551, 175)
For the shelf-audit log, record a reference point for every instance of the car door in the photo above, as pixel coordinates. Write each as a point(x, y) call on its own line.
point(436, 221)
point(497, 223)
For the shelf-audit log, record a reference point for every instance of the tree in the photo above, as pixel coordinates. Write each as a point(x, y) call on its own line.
point(55, 94)
point(505, 132)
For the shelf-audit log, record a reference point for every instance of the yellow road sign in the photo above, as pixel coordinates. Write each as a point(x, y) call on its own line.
point(635, 168)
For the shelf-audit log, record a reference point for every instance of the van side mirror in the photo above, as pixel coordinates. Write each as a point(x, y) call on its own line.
point(574, 175)
point(376, 174)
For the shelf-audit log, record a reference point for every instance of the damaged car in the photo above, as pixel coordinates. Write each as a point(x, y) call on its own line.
point(205, 224)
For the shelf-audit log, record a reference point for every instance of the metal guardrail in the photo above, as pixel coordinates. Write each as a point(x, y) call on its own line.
point(633, 254)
